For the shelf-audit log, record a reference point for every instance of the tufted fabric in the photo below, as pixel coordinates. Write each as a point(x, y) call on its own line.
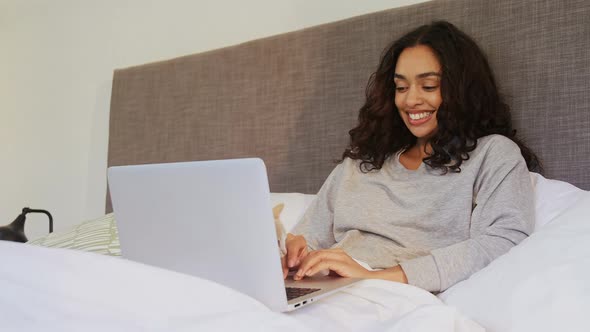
point(291, 99)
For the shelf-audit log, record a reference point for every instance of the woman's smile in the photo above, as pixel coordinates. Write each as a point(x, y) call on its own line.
point(416, 118)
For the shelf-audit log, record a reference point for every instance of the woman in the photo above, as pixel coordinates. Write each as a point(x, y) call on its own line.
point(434, 185)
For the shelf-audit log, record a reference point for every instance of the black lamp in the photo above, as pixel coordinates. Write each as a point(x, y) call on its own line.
point(16, 230)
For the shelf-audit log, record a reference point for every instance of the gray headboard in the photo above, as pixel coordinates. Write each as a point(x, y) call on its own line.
point(291, 99)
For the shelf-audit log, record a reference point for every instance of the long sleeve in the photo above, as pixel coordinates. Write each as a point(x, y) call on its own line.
point(503, 215)
point(317, 223)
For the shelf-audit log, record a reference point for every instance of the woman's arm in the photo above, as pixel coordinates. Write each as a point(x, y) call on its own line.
point(339, 262)
point(395, 273)
point(503, 216)
point(317, 224)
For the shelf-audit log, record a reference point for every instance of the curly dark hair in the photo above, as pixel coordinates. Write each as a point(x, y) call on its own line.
point(471, 105)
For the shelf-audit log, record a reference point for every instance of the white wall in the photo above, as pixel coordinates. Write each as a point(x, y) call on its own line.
point(56, 64)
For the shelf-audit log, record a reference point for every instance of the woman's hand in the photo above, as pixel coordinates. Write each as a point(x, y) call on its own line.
point(296, 251)
point(335, 260)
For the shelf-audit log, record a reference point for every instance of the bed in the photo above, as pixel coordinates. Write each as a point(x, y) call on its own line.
point(290, 100)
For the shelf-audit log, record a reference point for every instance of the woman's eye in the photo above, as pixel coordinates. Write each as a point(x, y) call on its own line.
point(400, 89)
point(430, 88)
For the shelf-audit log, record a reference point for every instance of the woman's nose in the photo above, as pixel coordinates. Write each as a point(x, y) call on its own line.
point(413, 97)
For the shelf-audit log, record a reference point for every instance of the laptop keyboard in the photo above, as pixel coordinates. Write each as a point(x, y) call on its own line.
point(295, 292)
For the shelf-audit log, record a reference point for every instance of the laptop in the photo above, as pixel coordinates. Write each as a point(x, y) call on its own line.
point(210, 219)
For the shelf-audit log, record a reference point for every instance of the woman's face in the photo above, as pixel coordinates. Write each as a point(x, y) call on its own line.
point(417, 90)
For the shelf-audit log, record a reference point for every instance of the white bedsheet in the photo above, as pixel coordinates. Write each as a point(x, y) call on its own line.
point(378, 305)
point(64, 290)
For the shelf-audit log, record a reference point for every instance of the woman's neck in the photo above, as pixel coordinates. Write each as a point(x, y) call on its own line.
point(420, 151)
point(412, 158)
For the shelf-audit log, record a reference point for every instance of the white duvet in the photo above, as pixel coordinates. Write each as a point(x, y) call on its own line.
point(46, 289)
point(539, 285)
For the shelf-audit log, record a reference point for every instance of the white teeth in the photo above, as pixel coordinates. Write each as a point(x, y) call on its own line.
point(418, 116)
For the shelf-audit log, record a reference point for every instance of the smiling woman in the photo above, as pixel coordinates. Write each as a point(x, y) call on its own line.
point(434, 70)
point(417, 98)
point(434, 184)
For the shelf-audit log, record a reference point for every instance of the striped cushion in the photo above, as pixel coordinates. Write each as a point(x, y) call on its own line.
point(98, 236)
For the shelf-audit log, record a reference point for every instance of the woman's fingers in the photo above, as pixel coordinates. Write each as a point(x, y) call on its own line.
point(322, 266)
point(285, 267)
point(296, 249)
point(334, 260)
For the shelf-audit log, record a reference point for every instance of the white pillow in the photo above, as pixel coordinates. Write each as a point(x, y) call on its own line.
point(553, 198)
point(295, 206)
point(541, 284)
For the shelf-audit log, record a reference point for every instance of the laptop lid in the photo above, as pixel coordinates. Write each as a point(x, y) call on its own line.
point(211, 219)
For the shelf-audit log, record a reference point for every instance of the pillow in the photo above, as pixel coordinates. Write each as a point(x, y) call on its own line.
point(541, 284)
point(97, 235)
point(553, 198)
point(295, 206)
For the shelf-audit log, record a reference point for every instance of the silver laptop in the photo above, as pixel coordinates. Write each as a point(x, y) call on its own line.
point(211, 219)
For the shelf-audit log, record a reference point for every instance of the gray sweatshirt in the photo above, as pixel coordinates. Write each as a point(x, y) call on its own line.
point(439, 228)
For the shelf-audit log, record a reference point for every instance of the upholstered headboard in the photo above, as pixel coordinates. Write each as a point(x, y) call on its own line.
point(291, 99)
